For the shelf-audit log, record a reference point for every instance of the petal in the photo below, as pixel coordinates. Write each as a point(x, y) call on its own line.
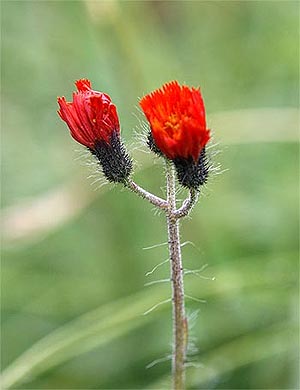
point(68, 114)
point(177, 119)
point(83, 85)
point(81, 106)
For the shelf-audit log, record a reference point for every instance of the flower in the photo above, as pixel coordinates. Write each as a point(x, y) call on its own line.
point(177, 119)
point(176, 114)
point(93, 121)
point(91, 117)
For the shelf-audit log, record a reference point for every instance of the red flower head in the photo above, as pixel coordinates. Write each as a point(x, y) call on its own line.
point(91, 117)
point(93, 121)
point(177, 118)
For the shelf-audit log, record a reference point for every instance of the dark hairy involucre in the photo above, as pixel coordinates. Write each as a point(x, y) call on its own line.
point(115, 162)
point(191, 174)
point(152, 145)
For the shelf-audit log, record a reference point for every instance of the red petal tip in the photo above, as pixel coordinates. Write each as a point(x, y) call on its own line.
point(83, 85)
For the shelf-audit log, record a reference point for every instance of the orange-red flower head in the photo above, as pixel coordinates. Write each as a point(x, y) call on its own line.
point(177, 119)
point(91, 116)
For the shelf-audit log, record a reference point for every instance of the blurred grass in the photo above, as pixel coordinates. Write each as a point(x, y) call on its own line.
point(73, 294)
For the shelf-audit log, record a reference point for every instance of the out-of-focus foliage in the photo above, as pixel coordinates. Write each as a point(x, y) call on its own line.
point(73, 264)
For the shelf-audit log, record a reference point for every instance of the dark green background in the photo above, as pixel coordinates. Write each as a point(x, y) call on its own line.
point(73, 264)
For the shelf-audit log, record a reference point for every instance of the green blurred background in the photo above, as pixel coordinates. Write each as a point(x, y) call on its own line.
point(73, 264)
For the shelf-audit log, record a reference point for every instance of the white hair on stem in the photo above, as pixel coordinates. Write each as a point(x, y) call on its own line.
point(157, 361)
point(157, 266)
point(155, 246)
point(195, 299)
point(156, 306)
point(157, 282)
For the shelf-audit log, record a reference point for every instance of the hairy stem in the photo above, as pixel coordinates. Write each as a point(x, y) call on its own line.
point(179, 319)
point(153, 199)
point(180, 326)
point(188, 204)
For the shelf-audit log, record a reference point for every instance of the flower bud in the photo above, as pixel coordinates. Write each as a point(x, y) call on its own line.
point(93, 122)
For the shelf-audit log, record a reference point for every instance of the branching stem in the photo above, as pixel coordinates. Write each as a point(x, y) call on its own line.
point(153, 199)
point(180, 326)
point(188, 204)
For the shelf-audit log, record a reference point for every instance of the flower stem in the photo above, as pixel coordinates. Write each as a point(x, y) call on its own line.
point(180, 325)
point(179, 319)
point(188, 204)
point(153, 199)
